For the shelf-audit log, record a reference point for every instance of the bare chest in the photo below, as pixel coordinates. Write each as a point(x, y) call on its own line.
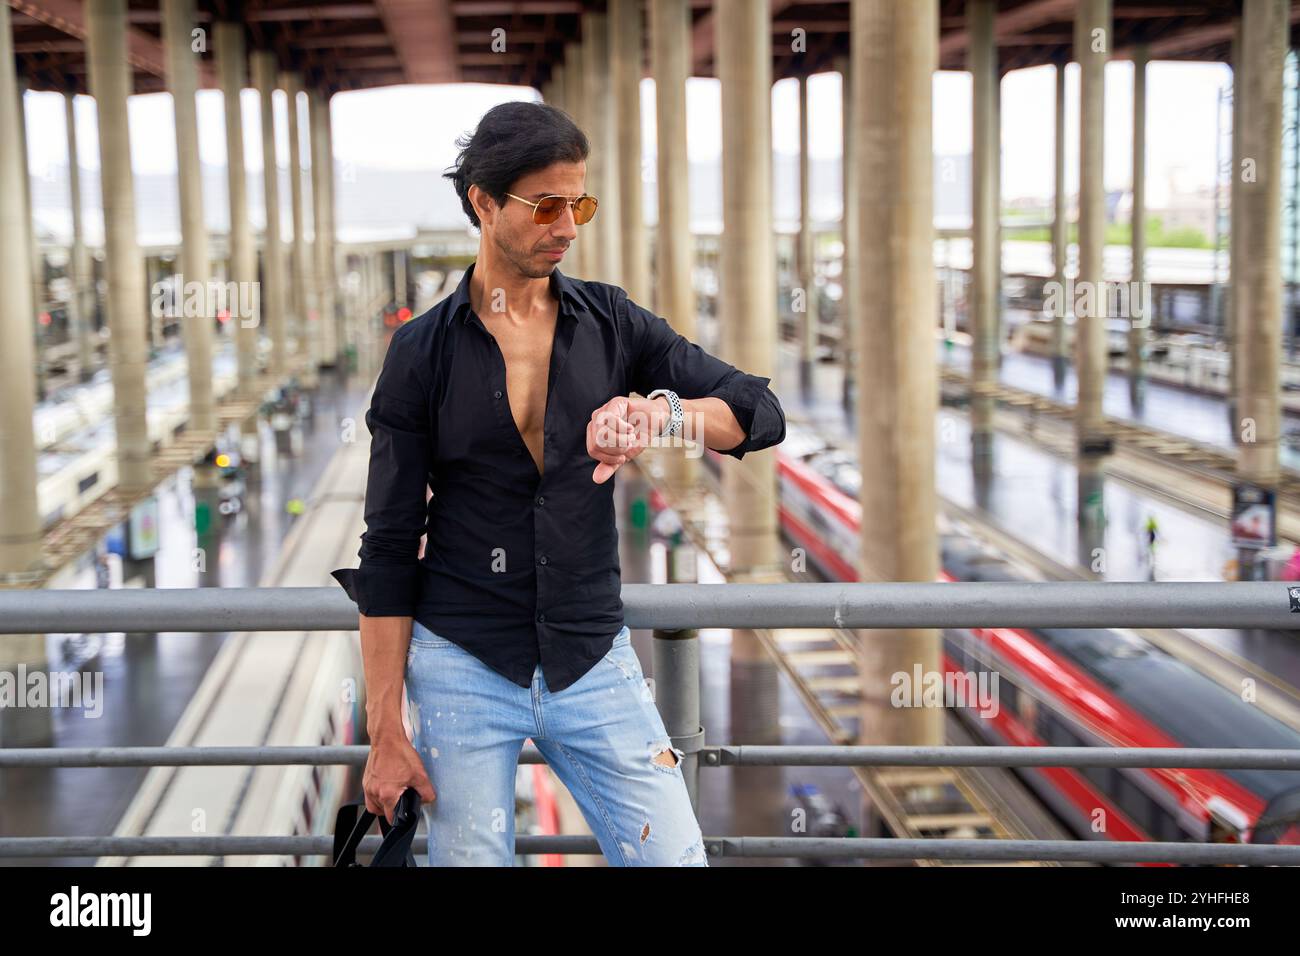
point(527, 353)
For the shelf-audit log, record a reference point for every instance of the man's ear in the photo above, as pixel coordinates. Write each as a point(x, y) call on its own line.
point(483, 204)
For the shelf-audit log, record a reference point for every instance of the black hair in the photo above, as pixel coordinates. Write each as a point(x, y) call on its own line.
point(511, 141)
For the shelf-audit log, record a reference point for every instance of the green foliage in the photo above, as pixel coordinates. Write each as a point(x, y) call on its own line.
point(1117, 234)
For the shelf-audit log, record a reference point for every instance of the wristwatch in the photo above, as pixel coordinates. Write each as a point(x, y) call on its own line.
point(676, 418)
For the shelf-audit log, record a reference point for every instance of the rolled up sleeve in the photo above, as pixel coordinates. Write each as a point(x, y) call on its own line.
point(388, 581)
point(660, 357)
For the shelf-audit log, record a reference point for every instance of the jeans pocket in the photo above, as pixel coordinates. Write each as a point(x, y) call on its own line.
point(423, 637)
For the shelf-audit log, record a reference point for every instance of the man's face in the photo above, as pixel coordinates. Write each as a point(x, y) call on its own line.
point(535, 250)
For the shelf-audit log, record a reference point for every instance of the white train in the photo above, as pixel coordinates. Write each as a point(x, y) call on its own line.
point(75, 439)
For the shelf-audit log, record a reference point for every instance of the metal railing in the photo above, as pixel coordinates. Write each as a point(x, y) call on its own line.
point(675, 611)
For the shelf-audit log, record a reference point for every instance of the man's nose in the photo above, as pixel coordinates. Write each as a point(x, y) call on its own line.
point(565, 226)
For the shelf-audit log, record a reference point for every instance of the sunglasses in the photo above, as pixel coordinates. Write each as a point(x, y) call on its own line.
point(549, 208)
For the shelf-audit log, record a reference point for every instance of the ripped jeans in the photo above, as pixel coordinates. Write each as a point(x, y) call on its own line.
point(601, 736)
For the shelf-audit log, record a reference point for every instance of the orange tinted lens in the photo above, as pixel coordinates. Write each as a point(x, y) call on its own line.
point(549, 209)
point(584, 209)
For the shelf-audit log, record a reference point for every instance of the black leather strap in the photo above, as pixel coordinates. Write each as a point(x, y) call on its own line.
point(354, 820)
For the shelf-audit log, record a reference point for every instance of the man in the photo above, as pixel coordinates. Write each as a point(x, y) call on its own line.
point(512, 400)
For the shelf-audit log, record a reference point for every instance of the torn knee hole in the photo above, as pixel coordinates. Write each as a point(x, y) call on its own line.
point(666, 758)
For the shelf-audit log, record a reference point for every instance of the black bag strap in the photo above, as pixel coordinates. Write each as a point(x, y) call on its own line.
point(345, 821)
point(354, 821)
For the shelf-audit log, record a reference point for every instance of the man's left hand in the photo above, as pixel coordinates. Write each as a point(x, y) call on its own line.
point(620, 430)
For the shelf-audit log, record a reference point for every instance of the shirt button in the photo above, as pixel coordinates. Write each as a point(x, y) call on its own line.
point(541, 499)
point(541, 618)
point(497, 393)
point(542, 559)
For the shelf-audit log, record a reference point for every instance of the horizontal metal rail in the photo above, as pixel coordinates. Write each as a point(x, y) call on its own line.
point(741, 755)
point(681, 606)
point(829, 848)
point(1244, 604)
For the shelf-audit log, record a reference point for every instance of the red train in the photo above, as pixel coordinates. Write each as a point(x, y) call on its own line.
point(1074, 687)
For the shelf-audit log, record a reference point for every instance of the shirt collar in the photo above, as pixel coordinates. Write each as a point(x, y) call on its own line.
point(564, 287)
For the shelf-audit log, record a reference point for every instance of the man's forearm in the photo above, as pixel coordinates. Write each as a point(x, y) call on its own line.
point(384, 644)
point(707, 420)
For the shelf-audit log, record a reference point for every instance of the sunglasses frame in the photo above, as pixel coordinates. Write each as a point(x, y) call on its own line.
point(572, 203)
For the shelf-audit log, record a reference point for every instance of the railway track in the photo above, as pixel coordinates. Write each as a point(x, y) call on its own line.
point(1210, 461)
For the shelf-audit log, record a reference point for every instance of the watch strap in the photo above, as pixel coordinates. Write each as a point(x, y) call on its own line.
point(676, 416)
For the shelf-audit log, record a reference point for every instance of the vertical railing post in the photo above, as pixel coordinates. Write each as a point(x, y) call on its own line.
point(676, 656)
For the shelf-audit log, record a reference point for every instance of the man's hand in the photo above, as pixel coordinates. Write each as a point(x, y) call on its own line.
point(620, 430)
point(393, 765)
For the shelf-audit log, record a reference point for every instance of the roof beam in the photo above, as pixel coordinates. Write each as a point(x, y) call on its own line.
point(423, 33)
point(1026, 17)
point(143, 52)
point(502, 8)
point(313, 12)
point(344, 40)
point(1194, 39)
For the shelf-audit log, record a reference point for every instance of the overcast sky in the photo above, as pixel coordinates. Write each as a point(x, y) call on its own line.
point(415, 127)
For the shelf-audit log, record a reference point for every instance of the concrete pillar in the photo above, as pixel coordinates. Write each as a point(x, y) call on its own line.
point(605, 258)
point(559, 95)
point(626, 34)
point(747, 286)
point(305, 328)
point(81, 308)
point(806, 260)
point(670, 26)
point(153, 273)
point(369, 320)
point(670, 22)
point(894, 56)
point(1237, 227)
point(110, 84)
point(1139, 317)
point(986, 233)
point(20, 517)
point(183, 77)
point(1060, 236)
point(274, 299)
point(1258, 297)
point(323, 241)
point(327, 122)
point(35, 277)
point(851, 322)
point(400, 265)
point(21, 557)
point(231, 69)
point(1092, 42)
point(577, 261)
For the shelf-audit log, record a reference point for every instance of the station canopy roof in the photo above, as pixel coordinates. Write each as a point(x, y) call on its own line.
point(361, 44)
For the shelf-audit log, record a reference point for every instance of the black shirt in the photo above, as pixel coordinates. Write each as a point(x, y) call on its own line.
point(518, 568)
